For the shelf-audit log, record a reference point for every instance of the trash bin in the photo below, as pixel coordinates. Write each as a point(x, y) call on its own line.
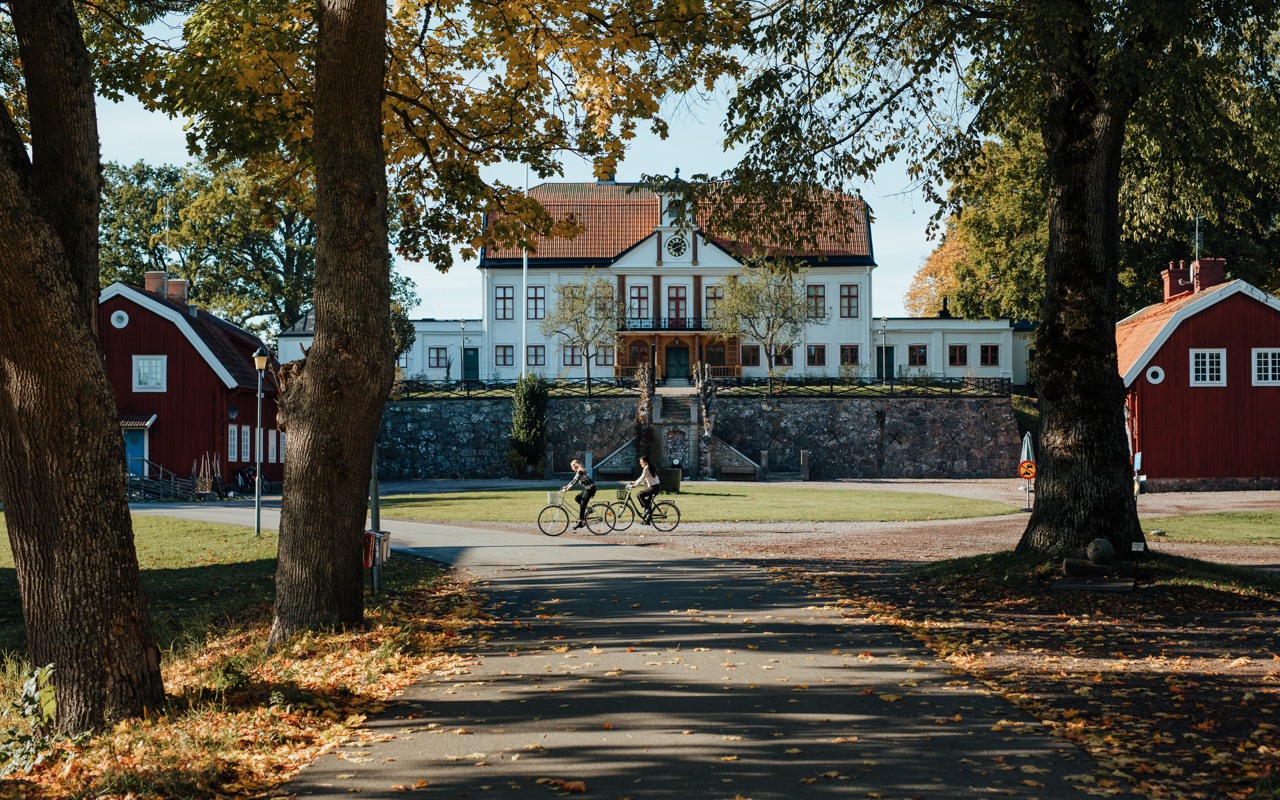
point(670, 479)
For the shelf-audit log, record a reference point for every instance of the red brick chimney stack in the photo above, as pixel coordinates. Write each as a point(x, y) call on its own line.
point(178, 291)
point(1208, 272)
point(156, 282)
point(1177, 280)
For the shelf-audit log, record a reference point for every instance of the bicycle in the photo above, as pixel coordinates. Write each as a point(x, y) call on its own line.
point(665, 516)
point(554, 519)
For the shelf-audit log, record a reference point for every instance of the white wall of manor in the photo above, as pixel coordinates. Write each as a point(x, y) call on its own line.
point(849, 341)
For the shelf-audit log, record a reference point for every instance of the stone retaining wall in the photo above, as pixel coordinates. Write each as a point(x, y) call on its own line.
point(876, 438)
point(467, 437)
point(847, 438)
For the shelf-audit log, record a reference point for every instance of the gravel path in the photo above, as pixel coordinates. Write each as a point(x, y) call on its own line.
point(901, 541)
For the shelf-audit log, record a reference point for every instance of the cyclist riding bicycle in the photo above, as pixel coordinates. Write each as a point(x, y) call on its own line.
point(580, 477)
point(650, 490)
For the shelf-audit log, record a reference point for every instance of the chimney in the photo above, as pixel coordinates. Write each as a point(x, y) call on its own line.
point(178, 291)
point(155, 282)
point(1177, 280)
point(1207, 272)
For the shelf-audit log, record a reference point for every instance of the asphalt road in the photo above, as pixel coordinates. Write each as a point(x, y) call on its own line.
point(638, 672)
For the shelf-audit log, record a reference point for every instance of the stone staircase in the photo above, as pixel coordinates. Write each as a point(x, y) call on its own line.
point(676, 408)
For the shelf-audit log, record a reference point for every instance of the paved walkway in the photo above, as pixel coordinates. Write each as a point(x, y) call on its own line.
point(647, 673)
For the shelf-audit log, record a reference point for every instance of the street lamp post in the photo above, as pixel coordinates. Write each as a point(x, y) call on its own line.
point(462, 351)
point(260, 359)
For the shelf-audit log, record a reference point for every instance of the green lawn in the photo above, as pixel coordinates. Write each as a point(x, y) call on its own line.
point(196, 575)
point(1232, 527)
point(709, 502)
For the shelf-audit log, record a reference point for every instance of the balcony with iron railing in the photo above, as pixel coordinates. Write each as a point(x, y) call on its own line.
point(685, 323)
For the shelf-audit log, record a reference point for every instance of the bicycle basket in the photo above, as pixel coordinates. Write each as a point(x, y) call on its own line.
point(553, 498)
point(622, 492)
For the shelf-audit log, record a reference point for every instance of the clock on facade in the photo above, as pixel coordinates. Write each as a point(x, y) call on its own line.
point(676, 246)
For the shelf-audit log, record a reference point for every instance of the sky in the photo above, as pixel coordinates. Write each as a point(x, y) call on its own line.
point(130, 133)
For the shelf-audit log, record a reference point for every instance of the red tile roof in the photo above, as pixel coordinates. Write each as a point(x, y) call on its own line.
point(616, 216)
point(1137, 332)
point(232, 345)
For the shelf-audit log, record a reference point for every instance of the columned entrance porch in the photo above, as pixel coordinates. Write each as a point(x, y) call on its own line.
point(672, 355)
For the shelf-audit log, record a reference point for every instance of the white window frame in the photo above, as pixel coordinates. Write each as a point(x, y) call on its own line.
point(1274, 353)
point(280, 435)
point(233, 443)
point(164, 373)
point(1221, 353)
point(271, 445)
point(246, 444)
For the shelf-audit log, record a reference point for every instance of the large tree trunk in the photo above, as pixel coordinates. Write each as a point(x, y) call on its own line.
point(1084, 487)
point(332, 402)
point(61, 454)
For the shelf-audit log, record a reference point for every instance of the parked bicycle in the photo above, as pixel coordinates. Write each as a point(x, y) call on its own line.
point(665, 516)
point(554, 519)
point(244, 481)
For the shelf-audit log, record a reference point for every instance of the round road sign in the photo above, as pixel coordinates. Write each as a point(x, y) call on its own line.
point(1027, 470)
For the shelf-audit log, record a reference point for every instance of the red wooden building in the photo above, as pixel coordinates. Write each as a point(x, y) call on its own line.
point(185, 382)
point(1202, 370)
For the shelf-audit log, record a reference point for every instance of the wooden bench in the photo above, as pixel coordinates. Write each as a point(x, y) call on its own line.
point(732, 473)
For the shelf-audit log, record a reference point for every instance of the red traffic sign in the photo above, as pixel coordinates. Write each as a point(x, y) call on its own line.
point(1027, 470)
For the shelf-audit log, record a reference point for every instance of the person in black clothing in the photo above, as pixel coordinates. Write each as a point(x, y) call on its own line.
point(581, 478)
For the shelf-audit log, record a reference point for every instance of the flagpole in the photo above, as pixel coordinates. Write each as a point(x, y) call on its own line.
point(524, 290)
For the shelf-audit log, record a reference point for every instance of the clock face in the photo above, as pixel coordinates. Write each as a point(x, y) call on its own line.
point(676, 246)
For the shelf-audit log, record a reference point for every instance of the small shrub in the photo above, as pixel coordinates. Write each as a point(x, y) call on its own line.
point(528, 440)
point(29, 743)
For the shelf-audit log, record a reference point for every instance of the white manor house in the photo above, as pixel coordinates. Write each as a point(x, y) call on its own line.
point(670, 280)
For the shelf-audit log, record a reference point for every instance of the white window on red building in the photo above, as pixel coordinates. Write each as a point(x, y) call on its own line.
point(1209, 367)
point(246, 444)
point(271, 446)
point(233, 443)
point(1266, 367)
point(150, 373)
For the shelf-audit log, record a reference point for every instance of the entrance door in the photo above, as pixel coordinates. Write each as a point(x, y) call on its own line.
point(471, 364)
point(678, 363)
point(884, 362)
point(135, 452)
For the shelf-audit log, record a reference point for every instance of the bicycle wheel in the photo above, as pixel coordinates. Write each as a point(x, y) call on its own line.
point(623, 516)
point(600, 519)
point(553, 520)
point(665, 516)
